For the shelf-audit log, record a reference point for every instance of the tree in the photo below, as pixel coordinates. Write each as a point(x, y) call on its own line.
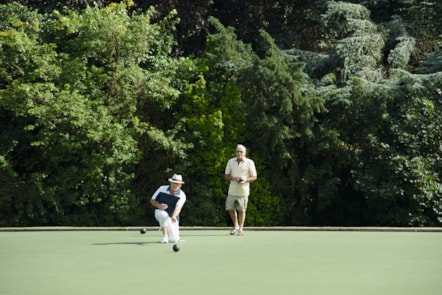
point(398, 168)
point(363, 95)
point(73, 148)
point(225, 60)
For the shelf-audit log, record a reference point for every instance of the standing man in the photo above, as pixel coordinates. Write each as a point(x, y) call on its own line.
point(168, 201)
point(240, 171)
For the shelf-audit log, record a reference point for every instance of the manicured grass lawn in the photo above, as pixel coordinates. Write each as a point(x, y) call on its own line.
point(213, 262)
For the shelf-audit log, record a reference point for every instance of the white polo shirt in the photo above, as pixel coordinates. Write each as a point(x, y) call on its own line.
point(243, 169)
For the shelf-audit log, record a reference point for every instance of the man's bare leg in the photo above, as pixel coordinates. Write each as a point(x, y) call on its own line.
point(241, 220)
point(234, 217)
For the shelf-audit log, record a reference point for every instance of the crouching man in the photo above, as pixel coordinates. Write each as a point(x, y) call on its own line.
point(168, 201)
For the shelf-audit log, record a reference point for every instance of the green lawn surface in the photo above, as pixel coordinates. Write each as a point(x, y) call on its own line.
point(213, 262)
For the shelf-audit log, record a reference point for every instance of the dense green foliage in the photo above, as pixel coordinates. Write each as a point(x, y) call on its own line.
point(71, 126)
point(100, 104)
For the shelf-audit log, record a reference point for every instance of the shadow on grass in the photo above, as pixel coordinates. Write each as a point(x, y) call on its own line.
point(202, 234)
point(126, 243)
point(205, 235)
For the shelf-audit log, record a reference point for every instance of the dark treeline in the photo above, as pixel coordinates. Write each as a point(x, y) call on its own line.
point(338, 103)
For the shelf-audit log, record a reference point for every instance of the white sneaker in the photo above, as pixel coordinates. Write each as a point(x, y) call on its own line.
point(165, 240)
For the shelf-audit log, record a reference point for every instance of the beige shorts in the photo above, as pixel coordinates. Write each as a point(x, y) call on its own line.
point(236, 202)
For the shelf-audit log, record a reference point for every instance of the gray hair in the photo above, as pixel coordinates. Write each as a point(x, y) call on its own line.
point(242, 146)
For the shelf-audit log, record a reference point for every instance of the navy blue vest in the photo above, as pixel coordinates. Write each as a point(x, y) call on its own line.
point(168, 199)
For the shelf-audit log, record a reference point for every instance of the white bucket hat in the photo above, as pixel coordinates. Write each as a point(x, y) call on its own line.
point(176, 178)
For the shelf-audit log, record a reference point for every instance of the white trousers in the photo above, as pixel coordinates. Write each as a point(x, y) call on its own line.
point(173, 228)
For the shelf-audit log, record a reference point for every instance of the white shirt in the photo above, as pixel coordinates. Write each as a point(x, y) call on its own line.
point(243, 169)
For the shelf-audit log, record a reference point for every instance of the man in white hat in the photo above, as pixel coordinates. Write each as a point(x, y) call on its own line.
point(168, 201)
